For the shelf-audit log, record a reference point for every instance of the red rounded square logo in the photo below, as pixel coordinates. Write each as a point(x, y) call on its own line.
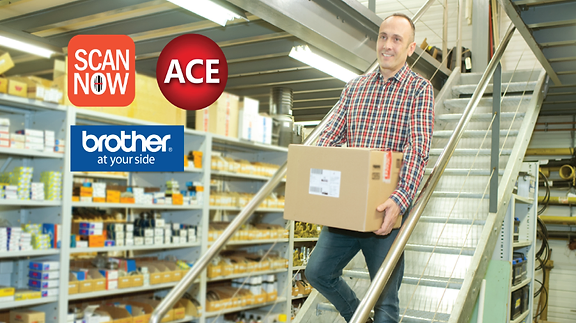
point(101, 70)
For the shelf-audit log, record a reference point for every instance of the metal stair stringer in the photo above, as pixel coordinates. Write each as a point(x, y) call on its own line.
point(468, 294)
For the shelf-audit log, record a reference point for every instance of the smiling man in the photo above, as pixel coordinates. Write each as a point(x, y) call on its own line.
point(390, 109)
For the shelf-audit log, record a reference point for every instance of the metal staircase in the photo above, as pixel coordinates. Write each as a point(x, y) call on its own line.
point(440, 262)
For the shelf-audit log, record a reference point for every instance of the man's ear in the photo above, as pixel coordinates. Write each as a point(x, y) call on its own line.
point(411, 48)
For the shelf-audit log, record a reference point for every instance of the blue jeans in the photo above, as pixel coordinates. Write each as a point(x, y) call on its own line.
point(334, 250)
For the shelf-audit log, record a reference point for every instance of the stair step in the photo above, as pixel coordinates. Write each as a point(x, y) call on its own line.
point(508, 87)
point(442, 282)
point(410, 316)
point(479, 116)
point(462, 195)
point(464, 172)
point(469, 152)
point(474, 133)
point(508, 101)
point(466, 251)
point(451, 220)
point(415, 316)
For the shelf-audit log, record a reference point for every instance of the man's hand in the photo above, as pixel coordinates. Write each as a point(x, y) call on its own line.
point(391, 211)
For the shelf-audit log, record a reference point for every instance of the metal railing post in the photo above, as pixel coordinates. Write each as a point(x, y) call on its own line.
point(495, 145)
point(397, 248)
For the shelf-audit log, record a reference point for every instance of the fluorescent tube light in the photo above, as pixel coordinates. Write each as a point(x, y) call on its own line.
point(208, 10)
point(306, 56)
point(307, 123)
point(25, 47)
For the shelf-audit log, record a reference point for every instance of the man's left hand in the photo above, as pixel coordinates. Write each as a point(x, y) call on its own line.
point(391, 211)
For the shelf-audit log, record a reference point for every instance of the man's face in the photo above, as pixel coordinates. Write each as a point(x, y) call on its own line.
point(394, 44)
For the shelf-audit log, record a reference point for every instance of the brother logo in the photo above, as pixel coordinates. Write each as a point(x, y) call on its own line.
point(127, 148)
point(153, 143)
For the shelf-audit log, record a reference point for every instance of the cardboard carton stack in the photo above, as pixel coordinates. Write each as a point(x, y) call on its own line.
point(4, 131)
point(52, 185)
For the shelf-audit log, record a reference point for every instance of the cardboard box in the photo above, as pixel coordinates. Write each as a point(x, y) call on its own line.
point(221, 117)
point(247, 118)
point(118, 314)
point(141, 312)
point(73, 285)
point(124, 282)
point(27, 316)
point(340, 187)
point(85, 286)
point(17, 88)
point(6, 62)
point(3, 85)
point(137, 280)
point(98, 280)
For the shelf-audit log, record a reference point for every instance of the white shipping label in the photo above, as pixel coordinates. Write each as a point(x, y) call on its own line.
point(325, 182)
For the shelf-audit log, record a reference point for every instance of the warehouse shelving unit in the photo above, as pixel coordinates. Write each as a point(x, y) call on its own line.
point(28, 113)
point(523, 206)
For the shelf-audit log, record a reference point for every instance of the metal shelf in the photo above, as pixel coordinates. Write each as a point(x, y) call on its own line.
point(298, 267)
point(123, 291)
point(233, 208)
point(30, 203)
point(137, 206)
point(521, 317)
point(193, 170)
point(238, 309)
point(29, 153)
point(522, 284)
point(305, 239)
point(31, 253)
point(251, 242)
point(253, 273)
point(239, 175)
point(520, 244)
point(219, 140)
point(525, 200)
point(97, 175)
point(28, 302)
point(30, 104)
point(135, 248)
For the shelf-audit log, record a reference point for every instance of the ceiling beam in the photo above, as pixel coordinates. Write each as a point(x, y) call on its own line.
point(102, 18)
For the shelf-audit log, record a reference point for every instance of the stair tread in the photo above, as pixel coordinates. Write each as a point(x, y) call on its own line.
point(469, 151)
point(432, 281)
point(413, 316)
point(466, 251)
point(410, 315)
point(455, 194)
point(464, 172)
point(479, 116)
point(473, 133)
point(509, 87)
point(487, 101)
point(451, 220)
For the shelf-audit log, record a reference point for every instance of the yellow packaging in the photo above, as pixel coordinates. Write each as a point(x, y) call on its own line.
point(21, 295)
point(6, 291)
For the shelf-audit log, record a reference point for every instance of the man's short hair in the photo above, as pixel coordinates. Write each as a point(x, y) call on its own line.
point(401, 15)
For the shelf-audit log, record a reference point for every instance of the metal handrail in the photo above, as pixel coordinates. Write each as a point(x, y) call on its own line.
point(397, 248)
point(176, 293)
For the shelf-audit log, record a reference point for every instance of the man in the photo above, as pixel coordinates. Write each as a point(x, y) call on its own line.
point(389, 109)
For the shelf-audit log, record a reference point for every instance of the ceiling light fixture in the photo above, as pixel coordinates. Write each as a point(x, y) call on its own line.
point(25, 47)
point(306, 56)
point(208, 9)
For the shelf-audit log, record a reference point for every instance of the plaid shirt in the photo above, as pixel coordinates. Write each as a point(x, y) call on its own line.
point(391, 115)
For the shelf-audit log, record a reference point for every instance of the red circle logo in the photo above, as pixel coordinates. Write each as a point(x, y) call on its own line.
point(192, 71)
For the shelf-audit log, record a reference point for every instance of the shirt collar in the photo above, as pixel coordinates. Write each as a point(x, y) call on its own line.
point(400, 76)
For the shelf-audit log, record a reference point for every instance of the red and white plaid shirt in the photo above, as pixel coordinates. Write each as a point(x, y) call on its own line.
point(391, 115)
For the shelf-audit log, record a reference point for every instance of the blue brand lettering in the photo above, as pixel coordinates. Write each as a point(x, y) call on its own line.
point(127, 148)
